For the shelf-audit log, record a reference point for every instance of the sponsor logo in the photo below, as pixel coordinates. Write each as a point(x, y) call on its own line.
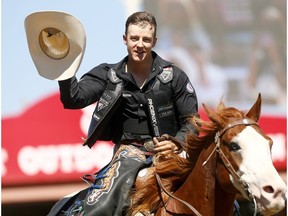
point(153, 117)
point(114, 77)
point(126, 95)
point(102, 104)
point(96, 117)
point(165, 111)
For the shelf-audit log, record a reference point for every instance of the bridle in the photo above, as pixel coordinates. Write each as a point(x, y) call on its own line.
point(226, 162)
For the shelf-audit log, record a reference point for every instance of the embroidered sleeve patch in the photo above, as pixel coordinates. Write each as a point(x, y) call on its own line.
point(189, 87)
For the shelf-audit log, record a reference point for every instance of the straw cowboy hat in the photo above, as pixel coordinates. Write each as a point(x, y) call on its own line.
point(56, 43)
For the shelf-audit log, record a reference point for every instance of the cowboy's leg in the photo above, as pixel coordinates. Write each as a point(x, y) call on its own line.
point(110, 195)
point(69, 205)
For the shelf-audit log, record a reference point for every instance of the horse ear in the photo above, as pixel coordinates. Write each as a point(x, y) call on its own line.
point(213, 116)
point(254, 112)
point(207, 111)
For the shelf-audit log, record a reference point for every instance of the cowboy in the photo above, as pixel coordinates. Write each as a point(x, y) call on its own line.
point(139, 99)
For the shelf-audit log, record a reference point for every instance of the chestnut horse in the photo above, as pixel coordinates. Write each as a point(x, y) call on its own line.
point(231, 155)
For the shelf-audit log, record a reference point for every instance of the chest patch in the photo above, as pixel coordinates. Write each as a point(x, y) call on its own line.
point(166, 75)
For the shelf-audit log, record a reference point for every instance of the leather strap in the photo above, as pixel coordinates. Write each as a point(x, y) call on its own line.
point(181, 145)
point(244, 121)
point(176, 198)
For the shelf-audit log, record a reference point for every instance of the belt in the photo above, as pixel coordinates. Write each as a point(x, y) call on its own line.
point(146, 145)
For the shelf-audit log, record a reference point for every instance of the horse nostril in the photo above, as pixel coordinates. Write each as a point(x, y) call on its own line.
point(268, 189)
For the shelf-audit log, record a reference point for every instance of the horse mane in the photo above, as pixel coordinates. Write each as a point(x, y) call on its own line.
point(174, 170)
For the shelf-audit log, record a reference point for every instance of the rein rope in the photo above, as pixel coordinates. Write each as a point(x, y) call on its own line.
point(227, 163)
point(176, 198)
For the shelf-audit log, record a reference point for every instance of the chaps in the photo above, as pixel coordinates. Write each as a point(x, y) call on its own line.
point(109, 195)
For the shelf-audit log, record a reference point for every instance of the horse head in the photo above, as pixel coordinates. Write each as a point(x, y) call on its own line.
point(245, 154)
point(230, 155)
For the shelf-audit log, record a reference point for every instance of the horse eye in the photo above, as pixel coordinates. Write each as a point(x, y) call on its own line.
point(234, 147)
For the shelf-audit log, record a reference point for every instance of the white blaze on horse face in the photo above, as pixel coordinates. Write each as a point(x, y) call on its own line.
point(258, 171)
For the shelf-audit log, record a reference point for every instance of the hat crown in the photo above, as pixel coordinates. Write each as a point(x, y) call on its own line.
point(54, 43)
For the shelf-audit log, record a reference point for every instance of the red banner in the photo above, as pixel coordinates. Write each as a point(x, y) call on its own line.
point(44, 144)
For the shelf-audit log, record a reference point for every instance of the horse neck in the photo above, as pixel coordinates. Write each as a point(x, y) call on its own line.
point(225, 191)
point(199, 188)
point(224, 201)
point(202, 190)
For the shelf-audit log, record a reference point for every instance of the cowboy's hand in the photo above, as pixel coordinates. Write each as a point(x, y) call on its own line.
point(165, 147)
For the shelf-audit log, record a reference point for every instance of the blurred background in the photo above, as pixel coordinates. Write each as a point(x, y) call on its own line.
point(229, 49)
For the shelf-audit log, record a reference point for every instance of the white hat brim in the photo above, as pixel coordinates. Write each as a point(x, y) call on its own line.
point(47, 67)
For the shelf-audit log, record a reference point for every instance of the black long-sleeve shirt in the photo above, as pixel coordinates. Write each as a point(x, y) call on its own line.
point(132, 118)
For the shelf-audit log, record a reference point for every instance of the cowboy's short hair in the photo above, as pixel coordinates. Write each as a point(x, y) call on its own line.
point(142, 18)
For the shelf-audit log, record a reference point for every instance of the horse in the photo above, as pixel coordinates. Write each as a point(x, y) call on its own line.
point(230, 156)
